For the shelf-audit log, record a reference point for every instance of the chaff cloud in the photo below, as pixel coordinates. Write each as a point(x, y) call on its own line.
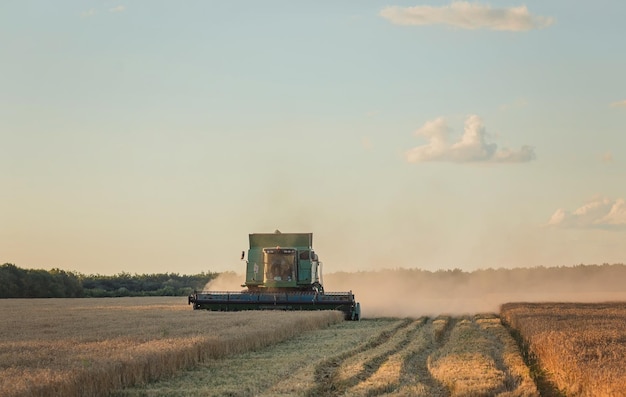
point(471, 147)
point(465, 15)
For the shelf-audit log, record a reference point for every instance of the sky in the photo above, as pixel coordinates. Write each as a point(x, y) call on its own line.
point(154, 136)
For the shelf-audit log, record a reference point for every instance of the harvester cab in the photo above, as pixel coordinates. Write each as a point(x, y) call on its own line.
point(282, 262)
point(282, 272)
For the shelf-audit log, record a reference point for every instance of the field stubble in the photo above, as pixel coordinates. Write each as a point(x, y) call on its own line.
point(374, 357)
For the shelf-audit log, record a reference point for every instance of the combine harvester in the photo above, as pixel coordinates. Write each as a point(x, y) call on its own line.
point(282, 273)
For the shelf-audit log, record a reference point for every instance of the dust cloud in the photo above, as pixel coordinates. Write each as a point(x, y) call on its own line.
point(227, 281)
point(414, 292)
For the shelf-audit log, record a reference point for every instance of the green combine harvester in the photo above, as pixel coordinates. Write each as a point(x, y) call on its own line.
point(282, 273)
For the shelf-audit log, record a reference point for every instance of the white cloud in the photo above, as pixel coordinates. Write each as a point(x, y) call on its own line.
point(89, 13)
point(599, 213)
point(465, 15)
point(472, 147)
point(119, 8)
point(619, 104)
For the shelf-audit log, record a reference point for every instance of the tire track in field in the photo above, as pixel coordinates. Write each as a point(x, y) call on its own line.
point(400, 367)
point(442, 327)
point(475, 358)
point(415, 378)
point(327, 373)
point(497, 353)
point(507, 357)
point(380, 374)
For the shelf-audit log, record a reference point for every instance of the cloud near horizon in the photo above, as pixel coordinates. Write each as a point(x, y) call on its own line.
point(600, 213)
point(465, 15)
point(619, 104)
point(472, 147)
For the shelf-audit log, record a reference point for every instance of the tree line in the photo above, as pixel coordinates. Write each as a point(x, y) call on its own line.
point(16, 282)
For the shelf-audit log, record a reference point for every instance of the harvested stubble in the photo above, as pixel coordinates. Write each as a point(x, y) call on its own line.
point(368, 358)
point(77, 347)
point(285, 369)
point(479, 358)
point(580, 346)
point(506, 354)
point(391, 362)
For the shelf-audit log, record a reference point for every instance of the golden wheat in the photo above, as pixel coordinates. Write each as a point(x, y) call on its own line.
point(580, 346)
point(76, 347)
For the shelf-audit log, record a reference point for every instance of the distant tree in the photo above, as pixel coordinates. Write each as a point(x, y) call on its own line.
point(56, 283)
point(11, 281)
point(37, 283)
point(159, 284)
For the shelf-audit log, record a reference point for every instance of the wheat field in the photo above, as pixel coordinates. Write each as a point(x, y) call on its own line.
point(580, 346)
point(158, 346)
point(88, 347)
